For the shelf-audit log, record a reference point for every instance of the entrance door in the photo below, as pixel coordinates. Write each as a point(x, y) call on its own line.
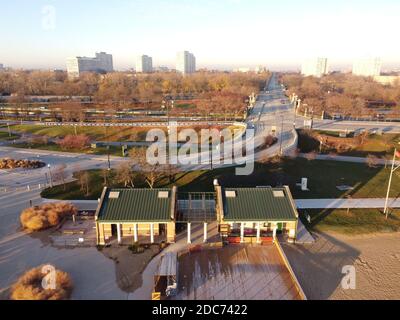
point(114, 230)
point(279, 227)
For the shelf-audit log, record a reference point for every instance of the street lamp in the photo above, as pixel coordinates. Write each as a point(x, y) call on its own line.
point(108, 148)
point(165, 105)
point(393, 169)
point(51, 176)
point(108, 158)
point(280, 148)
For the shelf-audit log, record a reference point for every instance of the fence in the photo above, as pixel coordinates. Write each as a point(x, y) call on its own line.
point(40, 186)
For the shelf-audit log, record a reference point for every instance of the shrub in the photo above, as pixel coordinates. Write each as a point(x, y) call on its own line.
point(136, 248)
point(70, 141)
point(46, 216)
point(29, 286)
point(26, 164)
point(372, 161)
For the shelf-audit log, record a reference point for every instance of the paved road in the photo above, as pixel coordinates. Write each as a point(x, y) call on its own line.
point(73, 161)
point(273, 115)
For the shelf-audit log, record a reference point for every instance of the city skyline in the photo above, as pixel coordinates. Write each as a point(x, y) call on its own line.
point(237, 32)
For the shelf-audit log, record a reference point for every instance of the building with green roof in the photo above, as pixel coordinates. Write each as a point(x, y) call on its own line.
point(258, 213)
point(150, 215)
point(144, 214)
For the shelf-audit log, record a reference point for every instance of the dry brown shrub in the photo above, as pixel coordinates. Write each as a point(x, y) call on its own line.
point(8, 163)
point(70, 141)
point(29, 286)
point(46, 216)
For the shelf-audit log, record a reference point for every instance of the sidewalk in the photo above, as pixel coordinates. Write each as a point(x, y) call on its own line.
point(346, 203)
point(328, 157)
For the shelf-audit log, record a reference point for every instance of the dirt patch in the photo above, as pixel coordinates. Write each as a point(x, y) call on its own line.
point(375, 257)
point(129, 266)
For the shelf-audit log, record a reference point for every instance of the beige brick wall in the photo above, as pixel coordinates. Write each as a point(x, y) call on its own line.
point(171, 232)
point(143, 229)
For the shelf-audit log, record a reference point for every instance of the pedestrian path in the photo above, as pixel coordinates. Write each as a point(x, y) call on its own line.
point(303, 235)
point(329, 157)
point(346, 203)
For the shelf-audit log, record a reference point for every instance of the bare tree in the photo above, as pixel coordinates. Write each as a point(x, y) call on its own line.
point(124, 175)
point(372, 161)
point(152, 173)
point(84, 182)
point(105, 174)
point(61, 175)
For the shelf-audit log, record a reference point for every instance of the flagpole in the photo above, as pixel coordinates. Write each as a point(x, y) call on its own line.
point(385, 211)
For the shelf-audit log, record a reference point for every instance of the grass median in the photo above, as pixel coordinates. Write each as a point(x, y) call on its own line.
point(353, 221)
point(324, 177)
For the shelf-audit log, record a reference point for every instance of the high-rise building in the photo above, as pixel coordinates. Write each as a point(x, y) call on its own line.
point(1, 67)
point(144, 64)
point(367, 67)
point(101, 63)
point(185, 62)
point(315, 67)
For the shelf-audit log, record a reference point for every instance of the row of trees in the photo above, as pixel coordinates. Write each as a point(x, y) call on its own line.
point(122, 86)
point(140, 170)
point(342, 93)
point(208, 92)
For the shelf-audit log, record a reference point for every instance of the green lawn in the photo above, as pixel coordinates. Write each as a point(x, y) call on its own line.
point(378, 145)
point(323, 176)
point(4, 136)
point(114, 151)
point(355, 221)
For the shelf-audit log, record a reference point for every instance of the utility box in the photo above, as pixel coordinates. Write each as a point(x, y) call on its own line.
point(308, 124)
point(124, 151)
point(304, 184)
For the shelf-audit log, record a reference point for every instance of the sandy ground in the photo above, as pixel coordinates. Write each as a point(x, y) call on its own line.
point(376, 259)
point(129, 266)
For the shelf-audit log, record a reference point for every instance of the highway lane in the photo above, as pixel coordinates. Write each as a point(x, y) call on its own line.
point(74, 162)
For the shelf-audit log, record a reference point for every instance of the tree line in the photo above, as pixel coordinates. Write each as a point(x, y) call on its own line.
point(124, 87)
point(343, 93)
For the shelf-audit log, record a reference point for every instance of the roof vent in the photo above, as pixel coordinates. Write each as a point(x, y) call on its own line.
point(163, 194)
point(230, 194)
point(113, 195)
point(278, 194)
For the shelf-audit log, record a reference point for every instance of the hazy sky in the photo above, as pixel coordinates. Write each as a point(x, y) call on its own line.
point(221, 33)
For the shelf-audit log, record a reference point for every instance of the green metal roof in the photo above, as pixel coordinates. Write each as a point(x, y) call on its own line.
point(257, 204)
point(135, 205)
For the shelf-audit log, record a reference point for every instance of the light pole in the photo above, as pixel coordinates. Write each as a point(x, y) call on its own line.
point(9, 130)
point(165, 105)
point(280, 148)
point(296, 105)
point(393, 169)
point(108, 158)
point(51, 176)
